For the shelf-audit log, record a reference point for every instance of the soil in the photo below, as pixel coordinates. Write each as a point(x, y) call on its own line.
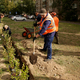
point(59, 68)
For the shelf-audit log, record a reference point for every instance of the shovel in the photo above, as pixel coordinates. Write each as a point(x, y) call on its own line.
point(33, 57)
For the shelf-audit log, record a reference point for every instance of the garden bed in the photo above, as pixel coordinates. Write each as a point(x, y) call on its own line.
point(22, 60)
point(17, 65)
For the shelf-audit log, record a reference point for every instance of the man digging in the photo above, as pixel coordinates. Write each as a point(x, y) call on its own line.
point(47, 30)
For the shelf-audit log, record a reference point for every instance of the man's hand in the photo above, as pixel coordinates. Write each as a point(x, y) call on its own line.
point(2, 35)
point(34, 39)
point(35, 24)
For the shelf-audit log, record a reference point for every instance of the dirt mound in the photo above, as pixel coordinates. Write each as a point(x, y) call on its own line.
point(50, 68)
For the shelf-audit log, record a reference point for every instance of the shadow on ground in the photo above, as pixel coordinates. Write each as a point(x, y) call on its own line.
point(65, 53)
point(45, 78)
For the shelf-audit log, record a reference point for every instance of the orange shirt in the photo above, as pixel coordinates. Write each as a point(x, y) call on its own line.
point(56, 20)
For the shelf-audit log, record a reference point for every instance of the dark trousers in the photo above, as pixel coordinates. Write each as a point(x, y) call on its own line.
point(56, 36)
point(48, 45)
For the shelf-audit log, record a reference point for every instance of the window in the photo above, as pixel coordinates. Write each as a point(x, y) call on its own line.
point(74, 5)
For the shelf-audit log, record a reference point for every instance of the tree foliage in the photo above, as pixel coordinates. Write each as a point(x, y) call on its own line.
point(2, 7)
point(27, 6)
point(6, 5)
point(65, 10)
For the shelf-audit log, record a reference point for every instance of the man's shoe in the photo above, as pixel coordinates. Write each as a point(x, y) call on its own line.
point(42, 50)
point(56, 42)
point(47, 60)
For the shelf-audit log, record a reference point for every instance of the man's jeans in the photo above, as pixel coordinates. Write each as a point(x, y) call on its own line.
point(48, 45)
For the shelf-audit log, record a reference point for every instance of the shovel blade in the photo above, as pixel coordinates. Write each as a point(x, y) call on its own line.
point(33, 59)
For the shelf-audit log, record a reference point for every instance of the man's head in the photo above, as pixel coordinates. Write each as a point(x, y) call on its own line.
point(43, 12)
point(53, 14)
point(5, 26)
point(2, 15)
point(36, 13)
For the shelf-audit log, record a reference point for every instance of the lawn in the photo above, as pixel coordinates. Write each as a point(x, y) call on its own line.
point(15, 25)
point(69, 33)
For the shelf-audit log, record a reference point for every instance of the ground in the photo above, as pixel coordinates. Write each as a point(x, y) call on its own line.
point(65, 63)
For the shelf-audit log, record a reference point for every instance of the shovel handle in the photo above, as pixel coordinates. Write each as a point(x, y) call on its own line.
point(34, 31)
point(34, 42)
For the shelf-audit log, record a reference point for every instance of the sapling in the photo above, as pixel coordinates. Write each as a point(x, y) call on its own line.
point(24, 73)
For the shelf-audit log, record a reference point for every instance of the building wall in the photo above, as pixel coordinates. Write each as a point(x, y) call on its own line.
point(47, 4)
point(77, 6)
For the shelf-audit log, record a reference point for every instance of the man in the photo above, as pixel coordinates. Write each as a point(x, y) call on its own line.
point(56, 20)
point(47, 29)
point(1, 16)
point(38, 16)
point(37, 19)
point(7, 28)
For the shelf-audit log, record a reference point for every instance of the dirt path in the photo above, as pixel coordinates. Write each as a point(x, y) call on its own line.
point(70, 33)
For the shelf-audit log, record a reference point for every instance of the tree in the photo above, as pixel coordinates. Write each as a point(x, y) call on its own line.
point(7, 6)
point(29, 6)
point(65, 9)
point(18, 6)
point(2, 7)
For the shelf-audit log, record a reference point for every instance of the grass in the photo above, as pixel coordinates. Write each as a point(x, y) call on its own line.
point(17, 28)
point(17, 24)
point(69, 39)
point(1, 71)
point(69, 27)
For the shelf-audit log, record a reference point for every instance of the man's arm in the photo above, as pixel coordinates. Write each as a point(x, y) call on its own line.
point(44, 28)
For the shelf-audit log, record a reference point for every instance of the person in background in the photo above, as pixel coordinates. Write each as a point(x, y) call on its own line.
point(47, 29)
point(1, 16)
point(37, 19)
point(56, 20)
point(7, 28)
point(38, 16)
